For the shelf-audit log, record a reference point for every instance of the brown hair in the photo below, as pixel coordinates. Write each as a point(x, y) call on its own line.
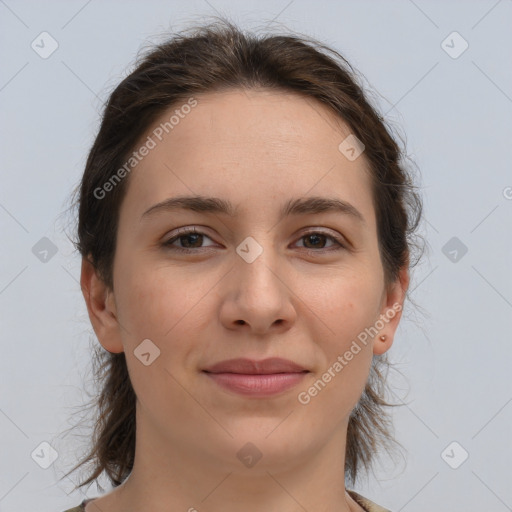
point(210, 58)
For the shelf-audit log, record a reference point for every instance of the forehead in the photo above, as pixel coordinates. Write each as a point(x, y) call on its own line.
point(252, 147)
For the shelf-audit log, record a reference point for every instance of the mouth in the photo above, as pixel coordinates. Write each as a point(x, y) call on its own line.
point(256, 378)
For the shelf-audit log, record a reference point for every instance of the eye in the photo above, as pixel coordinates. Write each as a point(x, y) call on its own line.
point(315, 241)
point(189, 238)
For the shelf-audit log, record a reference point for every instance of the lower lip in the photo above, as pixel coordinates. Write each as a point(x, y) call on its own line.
point(257, 385)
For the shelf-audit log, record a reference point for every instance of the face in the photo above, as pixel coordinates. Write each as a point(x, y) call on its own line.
point(256, 282)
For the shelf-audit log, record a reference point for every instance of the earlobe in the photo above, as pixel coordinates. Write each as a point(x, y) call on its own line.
point(382, 344)
point(391, 312)
point(101, 308)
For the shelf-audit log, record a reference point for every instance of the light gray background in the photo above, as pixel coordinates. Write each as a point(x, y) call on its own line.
point(456, 113)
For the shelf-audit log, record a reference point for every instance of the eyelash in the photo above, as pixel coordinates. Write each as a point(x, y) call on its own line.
point(189, 231)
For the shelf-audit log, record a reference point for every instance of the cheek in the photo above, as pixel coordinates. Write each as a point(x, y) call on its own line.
point(153, 302)
point(153, 306)
point(349, 303)
point(166, 307)
point(346, 360)
point(350, 309)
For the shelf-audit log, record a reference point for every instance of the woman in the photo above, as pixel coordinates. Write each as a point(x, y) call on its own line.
point(245, 225)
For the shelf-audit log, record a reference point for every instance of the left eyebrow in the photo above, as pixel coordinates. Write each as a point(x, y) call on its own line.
point(298, 206)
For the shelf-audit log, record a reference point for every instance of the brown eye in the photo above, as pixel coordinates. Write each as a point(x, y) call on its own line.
point(189, 239)
point(316, 240)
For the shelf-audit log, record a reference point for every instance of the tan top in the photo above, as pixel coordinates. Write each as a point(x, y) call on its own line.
point(368, 506)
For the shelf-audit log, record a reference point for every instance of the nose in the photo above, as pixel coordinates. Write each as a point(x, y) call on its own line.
point(258, 297)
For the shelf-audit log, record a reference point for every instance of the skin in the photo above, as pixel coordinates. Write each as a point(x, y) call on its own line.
point(257, 149)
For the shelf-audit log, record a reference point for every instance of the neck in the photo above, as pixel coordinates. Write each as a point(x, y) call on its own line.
point(193, 481)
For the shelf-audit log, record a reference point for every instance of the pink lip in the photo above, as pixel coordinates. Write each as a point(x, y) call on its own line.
point(256, 378)
point(250, 366)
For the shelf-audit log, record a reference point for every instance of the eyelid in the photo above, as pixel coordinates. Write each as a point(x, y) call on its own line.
point(183, 231)
point(323, 231)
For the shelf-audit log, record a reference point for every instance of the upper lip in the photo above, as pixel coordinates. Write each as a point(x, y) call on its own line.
point(252, 367)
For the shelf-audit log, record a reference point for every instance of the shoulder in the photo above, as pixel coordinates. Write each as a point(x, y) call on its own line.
point(81, 507)
point(368, 506)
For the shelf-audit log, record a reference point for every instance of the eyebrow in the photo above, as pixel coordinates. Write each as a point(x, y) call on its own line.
point(298, 206)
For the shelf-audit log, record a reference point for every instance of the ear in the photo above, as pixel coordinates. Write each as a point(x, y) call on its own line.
point(101, 307)
point(391, 311)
